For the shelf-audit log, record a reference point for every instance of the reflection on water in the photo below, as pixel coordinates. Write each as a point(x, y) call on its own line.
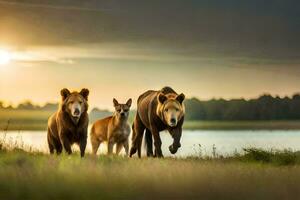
point(193, 142)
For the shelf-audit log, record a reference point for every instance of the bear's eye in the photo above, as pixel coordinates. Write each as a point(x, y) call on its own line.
point(166, 110)
point(119, 110)
point(71, 102)
point(80, 102)
point(177, 110)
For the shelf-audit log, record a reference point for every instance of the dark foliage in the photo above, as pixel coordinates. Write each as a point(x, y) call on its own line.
point(265, 107)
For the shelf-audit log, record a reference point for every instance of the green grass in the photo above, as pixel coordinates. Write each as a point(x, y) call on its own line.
point(24, 114)
point(24, 119)
point(257, 174)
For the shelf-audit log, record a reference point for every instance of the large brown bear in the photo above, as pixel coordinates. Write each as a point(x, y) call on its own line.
point(158, 111)
point(69, 124)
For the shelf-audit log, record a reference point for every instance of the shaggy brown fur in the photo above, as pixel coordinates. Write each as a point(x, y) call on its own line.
point(158, 111)
point(114, 129)
point(69, 124)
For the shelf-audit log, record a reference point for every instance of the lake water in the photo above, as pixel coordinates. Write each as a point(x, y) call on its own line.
point(225, 142)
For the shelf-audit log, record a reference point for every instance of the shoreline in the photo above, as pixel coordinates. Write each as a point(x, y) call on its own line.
point(188, 125)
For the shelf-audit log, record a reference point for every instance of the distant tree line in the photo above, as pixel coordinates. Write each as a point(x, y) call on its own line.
point(265, 107)
point(28, 105)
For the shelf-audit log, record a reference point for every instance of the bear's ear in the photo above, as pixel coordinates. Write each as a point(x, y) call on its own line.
point(64, 93)
point(85, 93)
point(116, 103)
point(129, 102)
point(180, 98)
point(162, 98)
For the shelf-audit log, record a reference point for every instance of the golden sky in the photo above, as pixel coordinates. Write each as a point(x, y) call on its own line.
point(207, 49)
point(38, 74)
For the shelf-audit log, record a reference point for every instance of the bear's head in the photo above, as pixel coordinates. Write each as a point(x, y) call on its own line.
point(122, 110)
point(170, 108)
point(74, 103)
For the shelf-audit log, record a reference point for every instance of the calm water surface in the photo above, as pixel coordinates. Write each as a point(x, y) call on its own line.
point(193, 142)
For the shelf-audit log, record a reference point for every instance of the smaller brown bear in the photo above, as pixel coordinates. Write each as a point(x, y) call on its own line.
point(69, 124)
point(114, 129)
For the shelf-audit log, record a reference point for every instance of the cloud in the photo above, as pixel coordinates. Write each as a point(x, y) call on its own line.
point(237, 28)
point(37, 57)
point(137, 54)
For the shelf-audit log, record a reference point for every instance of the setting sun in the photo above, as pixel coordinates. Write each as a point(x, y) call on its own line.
point(5, 57)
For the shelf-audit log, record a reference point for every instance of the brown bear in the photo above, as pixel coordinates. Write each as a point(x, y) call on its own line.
point(158, 111)
point(114, 129)
point(70, 123)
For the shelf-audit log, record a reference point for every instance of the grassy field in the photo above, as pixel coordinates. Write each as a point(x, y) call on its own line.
point(23, 119)
point(256, 174)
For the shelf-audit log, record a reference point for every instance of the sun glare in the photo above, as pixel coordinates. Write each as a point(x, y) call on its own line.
point(5, 57)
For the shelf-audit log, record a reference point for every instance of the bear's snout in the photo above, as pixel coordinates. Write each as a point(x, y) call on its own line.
point(173, 121)
point(76, 111)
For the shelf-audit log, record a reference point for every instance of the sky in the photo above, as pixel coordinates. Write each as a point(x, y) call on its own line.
point(121, 48)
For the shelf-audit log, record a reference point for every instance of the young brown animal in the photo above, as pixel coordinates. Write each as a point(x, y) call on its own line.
point(114, 129)
point(158, 111)
point(69, 124)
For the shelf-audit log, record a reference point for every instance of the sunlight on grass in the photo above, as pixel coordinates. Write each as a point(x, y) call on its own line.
point(256, 174)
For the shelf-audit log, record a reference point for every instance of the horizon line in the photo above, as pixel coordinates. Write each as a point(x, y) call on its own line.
point(9, 104)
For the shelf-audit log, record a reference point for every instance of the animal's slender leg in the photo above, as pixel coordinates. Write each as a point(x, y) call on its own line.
point(126, 146)
point(119, 148)
point(110, 147)
point(95, 145)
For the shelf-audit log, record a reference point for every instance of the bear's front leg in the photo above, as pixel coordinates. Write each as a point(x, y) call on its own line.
point(82, 145)
point(66, 143)
point(157, 143)
point(176, 134)
point(149, 143)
